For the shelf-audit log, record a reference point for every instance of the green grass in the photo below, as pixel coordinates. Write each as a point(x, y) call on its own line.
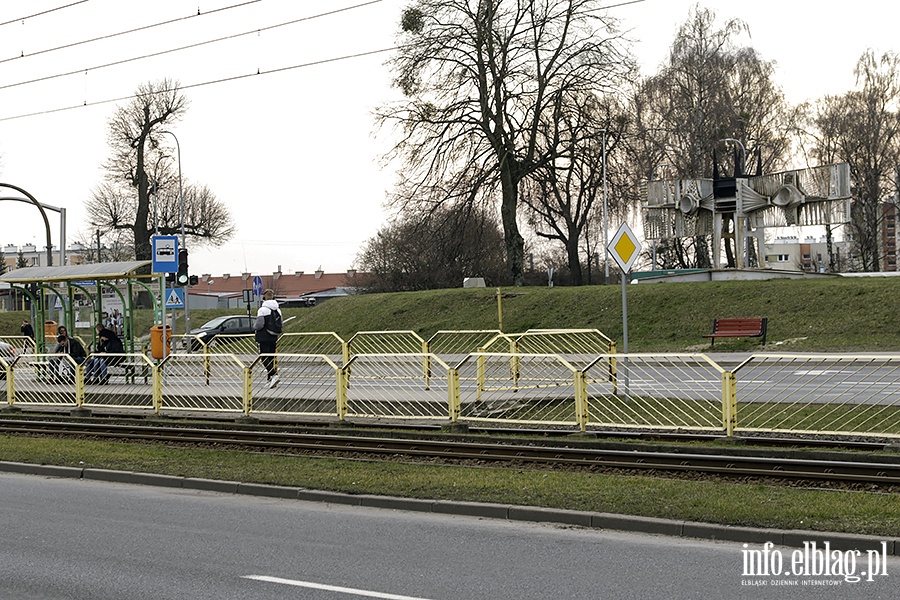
point(750, 505)
point(816, 315)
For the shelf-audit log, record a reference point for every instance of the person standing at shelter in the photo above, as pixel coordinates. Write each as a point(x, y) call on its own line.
point(107, 343)
point(72, 347)
point(268, 327)
point(28, 331)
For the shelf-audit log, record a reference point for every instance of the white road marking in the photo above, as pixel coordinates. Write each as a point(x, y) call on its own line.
point(330, 588)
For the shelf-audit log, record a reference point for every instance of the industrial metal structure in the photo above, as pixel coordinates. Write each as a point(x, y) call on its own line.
point(740, 208)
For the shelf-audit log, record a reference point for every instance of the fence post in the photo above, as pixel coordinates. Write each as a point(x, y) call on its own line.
point(79, 384)
point(426, 364)
point(480, 374)
point(581, 401)
point(156, 378)
point(342, 381)
point(514, 363)
point(207, 367)
point(10, 384)
point(613, 366)
point(247, 389)
point(453, 398)
point(729, 402)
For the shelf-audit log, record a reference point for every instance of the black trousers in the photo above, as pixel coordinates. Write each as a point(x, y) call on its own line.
point(268, 347)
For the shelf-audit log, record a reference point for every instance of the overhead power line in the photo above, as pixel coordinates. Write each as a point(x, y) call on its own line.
point(44, 12)
point(187, 47)
point(202, 84)
point(127, 31)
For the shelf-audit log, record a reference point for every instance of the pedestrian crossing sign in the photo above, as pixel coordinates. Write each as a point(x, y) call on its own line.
point(175, 299)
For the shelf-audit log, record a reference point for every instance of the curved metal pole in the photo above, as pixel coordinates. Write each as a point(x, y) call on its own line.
point(156, 194)
point(62, 224)
point(187, 310)
point(43, 214)
point(605, 219)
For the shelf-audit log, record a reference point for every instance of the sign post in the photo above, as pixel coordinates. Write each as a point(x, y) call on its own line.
point(248, 298)
point(625, 248)
point(257, 287)
point(164, 254)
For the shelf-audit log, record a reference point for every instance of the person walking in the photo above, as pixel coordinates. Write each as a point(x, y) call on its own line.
point(267, 328)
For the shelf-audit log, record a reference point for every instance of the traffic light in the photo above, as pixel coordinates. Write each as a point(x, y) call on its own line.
point(194, 279)
point(170, 277)
point(182, 277)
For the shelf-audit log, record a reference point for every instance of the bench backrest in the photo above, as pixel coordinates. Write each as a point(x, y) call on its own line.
point(752, 324)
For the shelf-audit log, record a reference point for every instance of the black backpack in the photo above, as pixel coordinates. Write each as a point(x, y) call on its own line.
point(274, 322)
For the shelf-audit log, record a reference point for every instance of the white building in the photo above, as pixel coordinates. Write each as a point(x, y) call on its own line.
point(791, 253)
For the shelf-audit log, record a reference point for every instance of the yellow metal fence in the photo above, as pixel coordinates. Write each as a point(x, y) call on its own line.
point(571, 385)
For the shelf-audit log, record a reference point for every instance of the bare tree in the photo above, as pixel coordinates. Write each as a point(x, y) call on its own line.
point(479, 75)
point(435, 250)
point(862, 127)
point(562, 196)
point(125, 200)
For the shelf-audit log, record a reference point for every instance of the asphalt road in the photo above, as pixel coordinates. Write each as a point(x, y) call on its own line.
point(79, 539)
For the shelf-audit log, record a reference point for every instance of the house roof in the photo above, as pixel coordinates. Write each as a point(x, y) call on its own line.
point(285, 285)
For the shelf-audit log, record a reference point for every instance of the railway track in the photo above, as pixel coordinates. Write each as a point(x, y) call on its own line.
point(843, 467)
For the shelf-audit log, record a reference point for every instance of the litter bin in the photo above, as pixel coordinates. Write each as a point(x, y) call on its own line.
point(49, 329)
point(156, 341)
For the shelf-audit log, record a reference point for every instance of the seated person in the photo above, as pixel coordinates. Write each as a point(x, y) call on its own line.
point(61, 332)
point(72, 347)
point(107, 343)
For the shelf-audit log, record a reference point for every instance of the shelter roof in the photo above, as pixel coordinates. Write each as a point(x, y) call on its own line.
point(85, 272)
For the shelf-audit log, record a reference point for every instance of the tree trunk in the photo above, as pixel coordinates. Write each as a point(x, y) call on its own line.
point(142, 250)
point(513, 240)
point(575, 276)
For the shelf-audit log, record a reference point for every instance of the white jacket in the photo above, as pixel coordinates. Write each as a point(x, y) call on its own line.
point(259, 326)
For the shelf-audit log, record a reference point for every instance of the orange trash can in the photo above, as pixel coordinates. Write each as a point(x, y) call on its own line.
point(49, 329)
point(157, 350)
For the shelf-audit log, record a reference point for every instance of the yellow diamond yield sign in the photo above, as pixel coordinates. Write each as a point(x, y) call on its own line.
point(624, 247)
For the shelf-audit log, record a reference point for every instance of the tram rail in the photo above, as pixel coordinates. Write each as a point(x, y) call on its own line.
point(836, 467)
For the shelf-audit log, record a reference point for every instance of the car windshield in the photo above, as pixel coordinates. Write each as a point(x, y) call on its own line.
point(214, 323)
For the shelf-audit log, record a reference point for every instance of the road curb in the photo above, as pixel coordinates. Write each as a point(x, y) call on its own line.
point(485, 510)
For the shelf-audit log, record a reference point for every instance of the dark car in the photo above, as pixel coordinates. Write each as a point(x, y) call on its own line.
point(231, 325)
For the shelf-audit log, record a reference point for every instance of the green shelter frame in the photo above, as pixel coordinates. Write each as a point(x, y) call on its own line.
point(63, 282)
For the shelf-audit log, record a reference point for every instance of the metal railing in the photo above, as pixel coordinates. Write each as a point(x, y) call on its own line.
point(784, 393)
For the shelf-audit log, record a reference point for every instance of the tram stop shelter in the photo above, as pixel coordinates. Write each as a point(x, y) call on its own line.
point(42, 284)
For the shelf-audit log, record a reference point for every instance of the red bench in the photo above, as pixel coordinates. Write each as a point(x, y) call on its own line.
point(729, 328)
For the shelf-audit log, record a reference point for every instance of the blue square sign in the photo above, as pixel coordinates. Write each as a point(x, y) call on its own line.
point(165, 253)
point(175, 298)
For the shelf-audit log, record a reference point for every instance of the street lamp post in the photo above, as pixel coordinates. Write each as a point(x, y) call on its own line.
point(156, 194)
point(605, 218)
point(187, 310)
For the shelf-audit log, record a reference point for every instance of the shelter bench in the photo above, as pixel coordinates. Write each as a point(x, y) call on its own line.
point(730, 328)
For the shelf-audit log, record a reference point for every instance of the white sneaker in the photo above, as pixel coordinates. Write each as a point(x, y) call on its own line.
point(273, 382)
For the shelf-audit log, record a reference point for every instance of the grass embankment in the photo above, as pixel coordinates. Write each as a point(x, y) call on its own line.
point(833, 315)
point(817, 315)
